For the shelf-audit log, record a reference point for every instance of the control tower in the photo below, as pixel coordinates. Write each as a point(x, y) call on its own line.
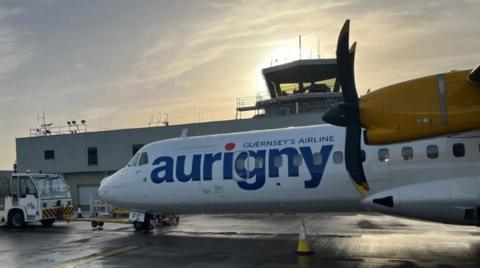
point(300, 86)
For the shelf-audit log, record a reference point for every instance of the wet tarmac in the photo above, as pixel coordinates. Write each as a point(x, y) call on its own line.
point(339, 240)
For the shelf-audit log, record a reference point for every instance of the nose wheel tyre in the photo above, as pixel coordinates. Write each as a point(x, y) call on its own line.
point(16, 219)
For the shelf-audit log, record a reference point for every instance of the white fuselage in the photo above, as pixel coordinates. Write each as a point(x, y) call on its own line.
point(298, 169)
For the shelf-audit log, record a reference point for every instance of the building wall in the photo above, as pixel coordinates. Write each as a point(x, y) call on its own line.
point(115, 147)
point(5, 173)
point(76, 180)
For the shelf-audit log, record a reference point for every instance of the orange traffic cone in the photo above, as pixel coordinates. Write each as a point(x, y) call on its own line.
point(303, 247)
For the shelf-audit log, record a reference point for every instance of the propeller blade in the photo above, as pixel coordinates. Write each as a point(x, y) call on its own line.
point(347, 114)
point(353, 158)
point(474, 77)
point(345, 66)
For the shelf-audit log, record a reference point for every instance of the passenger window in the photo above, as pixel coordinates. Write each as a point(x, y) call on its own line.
point(297, 160)
point(277, 161)
point(337, 157)
point(240, 163)
point(317, 159)
point(407, 153)
point(432, 151)
point(259, 162)
point(458, 150)
point(363, 155)
point(383, 155)
point(134, 161)
point(143, 159)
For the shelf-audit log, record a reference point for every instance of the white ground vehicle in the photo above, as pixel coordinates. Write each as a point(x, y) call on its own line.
point(28, 198)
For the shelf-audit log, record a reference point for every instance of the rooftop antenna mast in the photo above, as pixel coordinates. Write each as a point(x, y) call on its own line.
point(319, 52)
point(300, 46)
point(165, 119)
point(45, 127)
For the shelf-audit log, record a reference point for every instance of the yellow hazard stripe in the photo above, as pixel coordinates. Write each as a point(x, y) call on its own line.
point(68, 211)
point(48, 213)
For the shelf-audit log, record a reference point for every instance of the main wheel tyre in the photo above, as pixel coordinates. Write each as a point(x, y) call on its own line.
point(94, 224)
point(48, 222)
point(143, 225)
point(139, 226)
point(16, 219)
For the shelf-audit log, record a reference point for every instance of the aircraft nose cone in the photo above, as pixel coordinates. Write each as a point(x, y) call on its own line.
point(103, 189)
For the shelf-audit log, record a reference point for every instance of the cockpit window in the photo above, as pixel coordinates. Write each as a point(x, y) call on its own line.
point(143, 159)
point(134, 161)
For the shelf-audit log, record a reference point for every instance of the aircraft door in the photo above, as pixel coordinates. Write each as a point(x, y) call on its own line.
point(377, 164)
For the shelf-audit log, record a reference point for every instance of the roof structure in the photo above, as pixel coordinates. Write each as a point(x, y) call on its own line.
point(300, 71)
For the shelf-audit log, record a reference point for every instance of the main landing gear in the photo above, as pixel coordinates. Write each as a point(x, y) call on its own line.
point(157, 219)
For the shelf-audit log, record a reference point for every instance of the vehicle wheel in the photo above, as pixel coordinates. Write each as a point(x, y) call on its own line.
point(94, 224)
point(139, 225)
point(142, 225)
point(48, 222)
point(100, 223)
point(16, 219)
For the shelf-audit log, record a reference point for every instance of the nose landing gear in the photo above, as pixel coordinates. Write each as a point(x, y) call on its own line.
point(168, 219)
point(145, 225)
point(157, 219)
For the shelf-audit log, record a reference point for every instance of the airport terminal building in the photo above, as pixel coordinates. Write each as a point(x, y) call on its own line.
point(300, 92)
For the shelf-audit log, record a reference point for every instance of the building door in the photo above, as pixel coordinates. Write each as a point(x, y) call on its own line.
point(85, 193)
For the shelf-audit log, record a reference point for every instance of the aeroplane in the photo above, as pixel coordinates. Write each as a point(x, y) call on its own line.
point(403, 158)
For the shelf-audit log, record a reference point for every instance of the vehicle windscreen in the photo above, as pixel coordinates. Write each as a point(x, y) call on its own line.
point(4, 186)
point(52, 187)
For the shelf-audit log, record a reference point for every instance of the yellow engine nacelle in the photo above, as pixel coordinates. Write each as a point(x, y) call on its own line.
point(421, 108)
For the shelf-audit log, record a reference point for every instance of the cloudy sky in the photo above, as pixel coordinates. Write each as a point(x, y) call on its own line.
point(116, 63)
